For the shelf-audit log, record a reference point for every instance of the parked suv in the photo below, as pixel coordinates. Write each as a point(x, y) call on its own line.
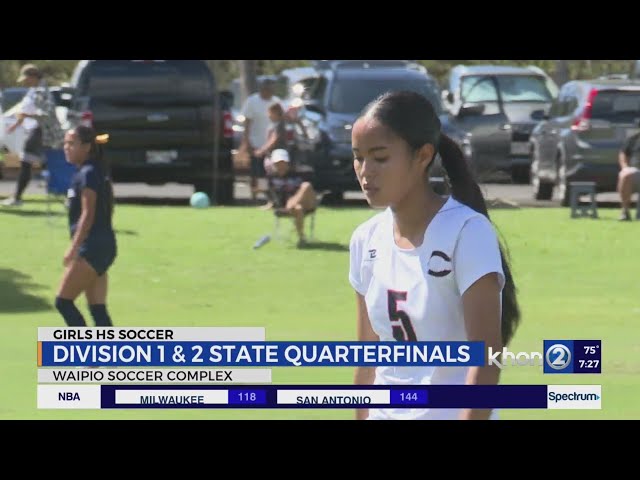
point(491, 113)
point(162, 121)
point(338, 95)
point(581, 137)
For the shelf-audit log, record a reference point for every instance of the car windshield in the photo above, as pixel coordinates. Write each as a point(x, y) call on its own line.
point(12, 97)
point(616, 106)
point(351, 95)
point(513, 88)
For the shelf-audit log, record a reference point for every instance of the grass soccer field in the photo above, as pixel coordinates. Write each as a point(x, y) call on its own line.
point(577, 279)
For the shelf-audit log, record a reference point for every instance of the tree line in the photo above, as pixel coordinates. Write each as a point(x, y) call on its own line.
point(59, 71)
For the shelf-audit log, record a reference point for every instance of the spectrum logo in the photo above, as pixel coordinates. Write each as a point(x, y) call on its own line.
point(578, 397)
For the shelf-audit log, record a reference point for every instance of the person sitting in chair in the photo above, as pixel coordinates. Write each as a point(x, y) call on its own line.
point(290, 195)
point(629, 176)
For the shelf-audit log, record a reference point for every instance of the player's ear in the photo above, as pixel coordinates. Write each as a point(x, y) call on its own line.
point(425, 155)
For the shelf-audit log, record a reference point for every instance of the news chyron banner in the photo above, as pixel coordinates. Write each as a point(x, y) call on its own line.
point(222, 367)
point(75, 362)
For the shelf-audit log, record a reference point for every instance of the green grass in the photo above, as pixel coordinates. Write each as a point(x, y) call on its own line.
point(183, 267)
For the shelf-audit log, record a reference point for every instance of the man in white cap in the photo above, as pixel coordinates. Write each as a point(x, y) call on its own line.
point(256, 128)
point(291, 196)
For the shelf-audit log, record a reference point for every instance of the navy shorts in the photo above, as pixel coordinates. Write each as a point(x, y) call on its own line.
point(100, 253)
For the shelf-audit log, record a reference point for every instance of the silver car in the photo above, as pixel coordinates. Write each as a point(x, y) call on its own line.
point(580, 138)
point(491, 111)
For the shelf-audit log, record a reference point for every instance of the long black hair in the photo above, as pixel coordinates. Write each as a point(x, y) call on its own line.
point(87, 135)
point(412, 117)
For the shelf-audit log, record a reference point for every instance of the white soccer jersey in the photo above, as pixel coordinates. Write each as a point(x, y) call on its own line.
point(417, 294)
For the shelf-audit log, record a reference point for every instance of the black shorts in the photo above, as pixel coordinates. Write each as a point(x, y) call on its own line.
point(33, 143)
point(257, 167)
point(100, 253)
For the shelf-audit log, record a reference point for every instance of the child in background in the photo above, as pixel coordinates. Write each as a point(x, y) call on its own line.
point(276, 139)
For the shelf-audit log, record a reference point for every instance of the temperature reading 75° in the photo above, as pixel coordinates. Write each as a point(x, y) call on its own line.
point(591, 349)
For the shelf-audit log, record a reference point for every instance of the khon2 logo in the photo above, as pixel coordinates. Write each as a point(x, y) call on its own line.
point(558, 356)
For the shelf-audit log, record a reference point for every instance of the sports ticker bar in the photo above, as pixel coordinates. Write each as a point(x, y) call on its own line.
point(319, 396)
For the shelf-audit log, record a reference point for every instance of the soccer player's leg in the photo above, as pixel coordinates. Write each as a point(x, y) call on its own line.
point(96, 295)
point(76, 278)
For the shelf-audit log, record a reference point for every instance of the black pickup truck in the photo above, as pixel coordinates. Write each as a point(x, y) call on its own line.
point(166, 120)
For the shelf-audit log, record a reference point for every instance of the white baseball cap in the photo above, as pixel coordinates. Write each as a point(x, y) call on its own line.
point(279, 155)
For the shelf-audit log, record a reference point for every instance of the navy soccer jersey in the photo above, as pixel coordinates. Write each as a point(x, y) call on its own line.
point(90, 175)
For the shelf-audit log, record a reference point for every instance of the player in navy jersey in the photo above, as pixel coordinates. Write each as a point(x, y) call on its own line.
point(93, 243)
point(428, 267)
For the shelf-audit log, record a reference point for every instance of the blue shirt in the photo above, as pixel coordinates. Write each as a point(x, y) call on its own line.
point(90, 175)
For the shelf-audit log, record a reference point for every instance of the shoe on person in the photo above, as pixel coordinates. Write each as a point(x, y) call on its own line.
point(302, 243)
point(11, 202)
point(625, 216)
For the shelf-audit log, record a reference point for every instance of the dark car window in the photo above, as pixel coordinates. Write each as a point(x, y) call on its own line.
point(316, 90)
point(571, 105)
point(567, 101)
point(11, 97)
point(351, 95)
point(556, 109)
point(616, 106)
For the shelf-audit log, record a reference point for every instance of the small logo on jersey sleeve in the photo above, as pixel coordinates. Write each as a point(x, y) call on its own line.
point(439, 264)
point(370, 256)
point(71, 193)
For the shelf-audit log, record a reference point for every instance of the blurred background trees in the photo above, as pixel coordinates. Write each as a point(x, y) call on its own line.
point(59, 71)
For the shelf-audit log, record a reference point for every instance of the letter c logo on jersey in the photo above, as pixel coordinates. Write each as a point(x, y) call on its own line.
point(439, 264)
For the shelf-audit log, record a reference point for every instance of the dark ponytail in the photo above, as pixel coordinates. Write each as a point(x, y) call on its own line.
point(465, 189)
point(412, 117)
point(100, 142)
point(86, 135)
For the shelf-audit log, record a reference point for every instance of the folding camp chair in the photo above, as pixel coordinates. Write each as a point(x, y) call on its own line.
point(58, 176)
point(310, 219)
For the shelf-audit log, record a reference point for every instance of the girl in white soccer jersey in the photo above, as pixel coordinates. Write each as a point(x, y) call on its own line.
point(427, 268)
